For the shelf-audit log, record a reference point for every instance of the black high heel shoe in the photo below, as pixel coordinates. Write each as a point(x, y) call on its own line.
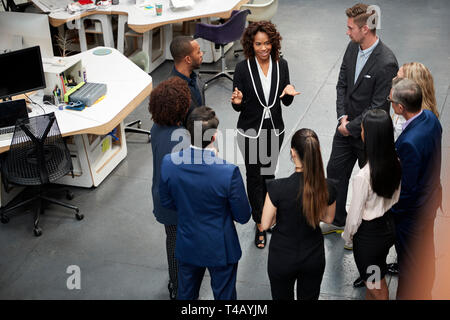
point(172, 291)
point(258, 241)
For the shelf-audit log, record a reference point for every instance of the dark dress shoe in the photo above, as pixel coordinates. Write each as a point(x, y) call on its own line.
point(392, 268)
point(359, 283)
point(172, 291)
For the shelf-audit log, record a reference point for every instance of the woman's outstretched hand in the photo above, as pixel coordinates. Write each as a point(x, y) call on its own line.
point(289, 90)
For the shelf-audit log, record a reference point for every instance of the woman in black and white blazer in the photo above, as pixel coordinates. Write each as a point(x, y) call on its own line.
point(260, 83)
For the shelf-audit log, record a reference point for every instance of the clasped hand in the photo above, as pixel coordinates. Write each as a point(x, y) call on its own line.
point(343, 126)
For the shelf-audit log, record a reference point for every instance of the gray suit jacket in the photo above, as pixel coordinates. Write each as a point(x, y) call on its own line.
point(370, 89)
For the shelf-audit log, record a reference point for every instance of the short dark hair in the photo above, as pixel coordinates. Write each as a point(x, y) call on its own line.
point(181, 47)
point(170, 102)
point(407, 93)
point(360, 15)
point(208, 120)
point(379, 147)
point(261, 26)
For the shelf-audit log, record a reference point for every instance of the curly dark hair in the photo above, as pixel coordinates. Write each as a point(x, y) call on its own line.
point(170, 101)
point(261, 26)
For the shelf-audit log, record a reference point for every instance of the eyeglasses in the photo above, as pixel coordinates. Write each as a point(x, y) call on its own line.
point(390, 100)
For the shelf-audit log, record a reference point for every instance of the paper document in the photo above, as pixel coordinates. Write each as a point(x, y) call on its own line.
point(182, 3)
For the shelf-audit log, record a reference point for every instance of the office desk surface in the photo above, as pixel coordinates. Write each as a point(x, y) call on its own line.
point(127, 87)
point(142, 20)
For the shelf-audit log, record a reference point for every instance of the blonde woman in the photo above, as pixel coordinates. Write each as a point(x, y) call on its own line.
point(420, 74)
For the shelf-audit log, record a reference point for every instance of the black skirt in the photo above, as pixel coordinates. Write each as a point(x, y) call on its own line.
point(371, 245)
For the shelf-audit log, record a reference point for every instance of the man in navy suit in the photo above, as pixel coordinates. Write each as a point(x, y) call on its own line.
point(209, 195)
point(419, 150)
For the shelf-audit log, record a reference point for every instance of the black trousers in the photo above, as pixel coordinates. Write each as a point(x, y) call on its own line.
point(171, 238)
point(261, 157)
point(344, 153)
point(286, 268)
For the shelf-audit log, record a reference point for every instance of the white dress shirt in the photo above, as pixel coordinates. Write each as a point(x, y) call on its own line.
point(397, 121)
point(266, 82)
point(365, 204)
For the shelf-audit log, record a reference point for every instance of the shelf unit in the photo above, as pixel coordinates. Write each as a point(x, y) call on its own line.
point(94, 157)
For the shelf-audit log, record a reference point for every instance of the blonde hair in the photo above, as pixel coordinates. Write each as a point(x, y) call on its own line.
point(420, 74)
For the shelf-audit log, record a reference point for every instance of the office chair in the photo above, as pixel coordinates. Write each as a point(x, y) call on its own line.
point(141, 59)
point(261, 10)
point(12, 6)
point(38, 155)
point(221, 35)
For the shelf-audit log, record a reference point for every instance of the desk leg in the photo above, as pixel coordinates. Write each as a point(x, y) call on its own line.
point(121, 32)
point(168, 36)
point(107, 29)
point(79, 24)
point(147, 46)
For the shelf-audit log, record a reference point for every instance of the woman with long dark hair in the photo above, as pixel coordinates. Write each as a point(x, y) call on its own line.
point(296, 205)
point(261, 82)
point(376, 188)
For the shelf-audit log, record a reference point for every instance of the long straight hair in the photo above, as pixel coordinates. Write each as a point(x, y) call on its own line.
point(420, 74)
point(385, 169)
point(315, 191)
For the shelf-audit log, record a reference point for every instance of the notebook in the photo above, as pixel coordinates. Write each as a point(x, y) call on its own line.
point(10, 112)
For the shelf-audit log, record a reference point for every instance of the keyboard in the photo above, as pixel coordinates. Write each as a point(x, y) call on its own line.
point(6, 130)
point(6, 133)
point(53, 5)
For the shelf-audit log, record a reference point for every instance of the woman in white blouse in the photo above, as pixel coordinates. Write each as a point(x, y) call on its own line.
point(376, 188)
point(420, 74)
point(261, 83)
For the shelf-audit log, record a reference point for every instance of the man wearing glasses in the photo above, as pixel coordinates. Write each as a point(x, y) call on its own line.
point(419, 148)
point(364, 82)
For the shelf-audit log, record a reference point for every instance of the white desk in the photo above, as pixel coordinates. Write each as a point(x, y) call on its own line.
point(127, 87)
point(144, 21)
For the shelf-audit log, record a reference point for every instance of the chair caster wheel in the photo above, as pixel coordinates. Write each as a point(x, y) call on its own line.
point(37, 231)
point(79, 216)
point(69, 195)
point(236, 55)
point(5, 219)
point(139, 124)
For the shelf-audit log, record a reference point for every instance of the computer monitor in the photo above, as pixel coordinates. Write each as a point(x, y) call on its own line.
point(22, 72)
point(20, 30)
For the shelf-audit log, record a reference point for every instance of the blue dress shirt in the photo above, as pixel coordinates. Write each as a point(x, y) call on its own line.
point(363, 56)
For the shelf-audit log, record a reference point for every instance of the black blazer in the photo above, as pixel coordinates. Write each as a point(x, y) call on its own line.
point(371, 88)
point(251, 116)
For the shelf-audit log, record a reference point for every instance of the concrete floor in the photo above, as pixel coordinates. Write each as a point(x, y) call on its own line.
point(120, 248)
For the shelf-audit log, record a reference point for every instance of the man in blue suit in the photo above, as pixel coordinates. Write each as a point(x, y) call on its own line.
point(209, 195)
point(419, 150)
